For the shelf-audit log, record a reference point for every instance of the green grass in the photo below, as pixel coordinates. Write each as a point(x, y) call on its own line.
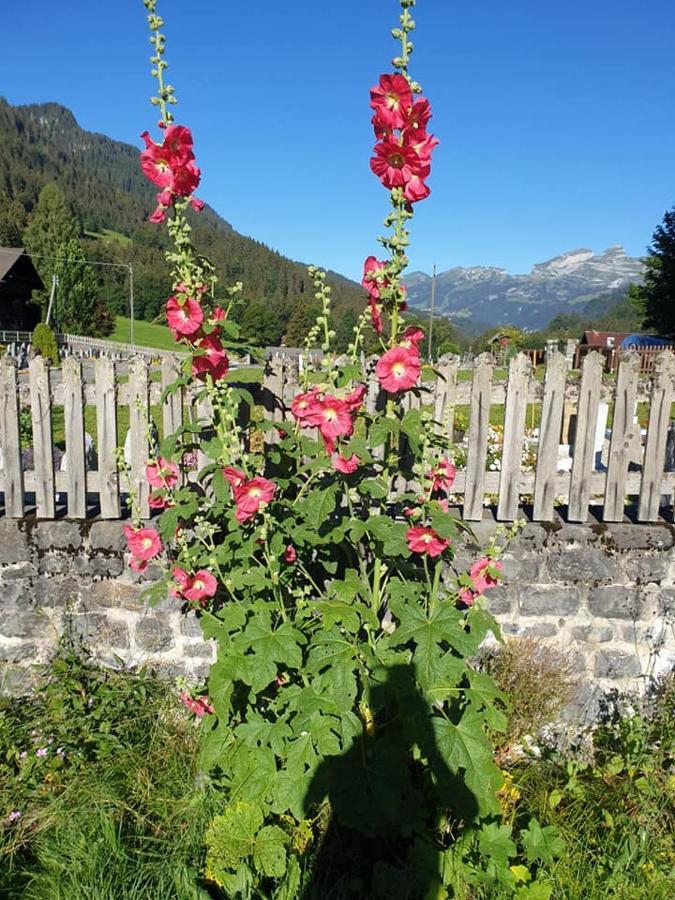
point(107, 234)
point(146, 334)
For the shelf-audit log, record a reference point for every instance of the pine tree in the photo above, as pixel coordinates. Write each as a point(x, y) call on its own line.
point(51, 225)
point(77, 295)
point(12, 221)
point(658, 291)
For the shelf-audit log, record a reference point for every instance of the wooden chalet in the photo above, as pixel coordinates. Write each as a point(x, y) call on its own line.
point(18, 280)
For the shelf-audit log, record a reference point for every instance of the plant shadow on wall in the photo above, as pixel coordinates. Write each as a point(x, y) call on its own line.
point(384, 803)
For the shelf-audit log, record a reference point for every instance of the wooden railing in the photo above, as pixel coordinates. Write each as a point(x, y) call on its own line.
point(632, 474)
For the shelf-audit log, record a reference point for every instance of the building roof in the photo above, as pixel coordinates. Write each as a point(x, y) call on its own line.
point(17, 266)
point(604, 338)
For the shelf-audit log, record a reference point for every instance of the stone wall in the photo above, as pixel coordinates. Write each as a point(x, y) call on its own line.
point(605, 593)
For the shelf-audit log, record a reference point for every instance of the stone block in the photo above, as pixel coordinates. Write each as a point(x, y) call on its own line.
point(582, 564)
point(107, 537)
point(615, 664)
point(97, 629)
point(190, 627)
point(54, 563)
point(644, 568)
point(16, 681)
point(154, 635)
point(24, 623)
point(667, 601)
point(19, 652)
point(58, 592)
point(499, 601)
point(14, 593)
point(614, 602)
point(60, 535)
point(19, 570)
point(201, 650)
point(541, 629)
point(591, 635)
point(525, 565)
point(642, 537)
point(103, 566)
point(115, 594)
point(547, 600)
point(14, 545)
point(571, 533)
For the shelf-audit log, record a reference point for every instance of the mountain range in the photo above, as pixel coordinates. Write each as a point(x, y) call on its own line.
point(482, 296)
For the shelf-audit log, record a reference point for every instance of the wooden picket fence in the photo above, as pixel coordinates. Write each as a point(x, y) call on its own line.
point(99, 492)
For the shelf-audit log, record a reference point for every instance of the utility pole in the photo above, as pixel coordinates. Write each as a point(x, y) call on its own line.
point(131, 304)
point(55, 281)
point(431, 313)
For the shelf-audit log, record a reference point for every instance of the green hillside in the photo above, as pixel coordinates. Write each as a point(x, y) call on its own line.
point(146, 334)
point(102, 181)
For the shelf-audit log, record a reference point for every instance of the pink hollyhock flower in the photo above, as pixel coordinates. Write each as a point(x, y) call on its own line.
point(417, 189)
point(354, 398)
point(143, 543)
point(482, 579)
point(197, 204)
point(186, 180)
point(425, 540)
point(184, 316)
point(213, 361)
point(162, 473)
point(218, 314)
point(412, 338)
point(346, 466)
point(381, 130)
point(376, 317)
point(395, 163)
point(391, 99)
point(138, 565)
point(181, 579)
point(466, 597)
point(373, 277)
point(158, 216)
point(178, 144)
point(423, 147)
point(290, 555)
point(418, 118)
point(398, 369)
point(303, 403)
point(444, 475)
point(201, 586)
point(235, 476)
point(331, 416)
point(200, 706)
point(250, 495)
point(159, 501)
point(156, 162)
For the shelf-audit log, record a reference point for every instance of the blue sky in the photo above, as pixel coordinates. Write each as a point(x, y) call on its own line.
point(557, 120)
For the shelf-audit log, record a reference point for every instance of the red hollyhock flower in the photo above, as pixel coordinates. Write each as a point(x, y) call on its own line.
point(418, 117)
point(417, 189)
point(412, 337)
point(303, 403)
point(213, 361)
point(354, 398)
point(156, 162)
point(426, 540)
point(395, 163)
point(186, 180)
point(444, 475)
point(202, 585)
point(143, 543)
point(424, 147)
point(158, 216)
point(466, 597)
point(199, 706)
point(178, 144)
point(391, 99)
point(481, 577)
point(373, 277)
point(184, 316)
point(162, 473)
point(331, 416)
point(159, 501)
point(290, 555)
point(376, 317)
point(398, 369)
point(235, 476)
point(346, 466)
point(250, 495)
point(181, 581)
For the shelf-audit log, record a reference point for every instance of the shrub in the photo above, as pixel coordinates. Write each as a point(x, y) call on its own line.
point(44, 343)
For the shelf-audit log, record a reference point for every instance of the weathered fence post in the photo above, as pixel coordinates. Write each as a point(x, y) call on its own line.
point(479, 424)
point(43, 445)
point(73, 415)
point(106, 427)
point(624, 435)
point(520, 373)
point(139, 425)
point(662, 397)
point(583, 463)
point(549, 436)
point(10, 436)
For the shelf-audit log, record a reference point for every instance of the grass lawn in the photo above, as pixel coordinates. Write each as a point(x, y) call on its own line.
point(146, 334)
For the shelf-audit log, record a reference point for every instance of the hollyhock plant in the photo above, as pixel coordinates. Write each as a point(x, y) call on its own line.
point(398, 369)
point(485, 574)
point(142, 543)
point(426, 541)
point(200, 706)
point(318, 564)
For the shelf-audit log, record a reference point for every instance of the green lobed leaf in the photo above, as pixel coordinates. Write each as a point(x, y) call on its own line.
point(543, 844)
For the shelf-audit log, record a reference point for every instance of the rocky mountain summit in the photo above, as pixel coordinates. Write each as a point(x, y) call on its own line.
point(480, 296)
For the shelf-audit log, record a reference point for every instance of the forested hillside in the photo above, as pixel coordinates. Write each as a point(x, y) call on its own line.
point(102, 181)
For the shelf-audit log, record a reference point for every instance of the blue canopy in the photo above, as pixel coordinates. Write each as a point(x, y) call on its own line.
point(643, 340)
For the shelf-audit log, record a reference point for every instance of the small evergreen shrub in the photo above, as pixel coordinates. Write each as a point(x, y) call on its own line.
point(44, 342)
